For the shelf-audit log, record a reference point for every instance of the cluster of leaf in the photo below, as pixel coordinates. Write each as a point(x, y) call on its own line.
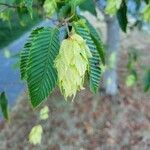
point(42, 48)
point(63, 8)
point(20, 7)
point(66, 8)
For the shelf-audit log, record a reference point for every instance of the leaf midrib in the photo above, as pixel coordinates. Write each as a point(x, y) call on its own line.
point(46, 63)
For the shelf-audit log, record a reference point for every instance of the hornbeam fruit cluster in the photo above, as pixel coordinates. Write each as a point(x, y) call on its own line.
point(72, 63)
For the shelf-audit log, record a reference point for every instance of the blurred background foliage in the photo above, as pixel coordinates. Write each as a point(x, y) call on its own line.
point(15, 18)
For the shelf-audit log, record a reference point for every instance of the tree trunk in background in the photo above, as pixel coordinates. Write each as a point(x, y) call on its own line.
point(112, 50)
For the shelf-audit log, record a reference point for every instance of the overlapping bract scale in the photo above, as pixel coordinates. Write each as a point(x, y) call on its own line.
point(71, 64)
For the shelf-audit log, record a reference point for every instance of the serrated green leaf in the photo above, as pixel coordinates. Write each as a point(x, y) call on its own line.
point(95, 70)
point(100, 48)
point(122, 16)
point(41, 74)
point(25, 53)
point(4, 105)
point(96, 39)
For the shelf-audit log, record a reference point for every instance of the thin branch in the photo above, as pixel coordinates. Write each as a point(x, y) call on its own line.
point(8, 5)
point(67, 29)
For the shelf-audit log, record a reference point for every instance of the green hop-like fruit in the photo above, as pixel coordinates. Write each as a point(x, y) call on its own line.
point(72, 63)
point(36, 135)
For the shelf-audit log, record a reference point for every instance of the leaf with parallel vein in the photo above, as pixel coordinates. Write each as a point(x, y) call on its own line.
point(96, 38)
point(95, 71)
point(25, 53)
point(97, 41)
point(41, 74)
